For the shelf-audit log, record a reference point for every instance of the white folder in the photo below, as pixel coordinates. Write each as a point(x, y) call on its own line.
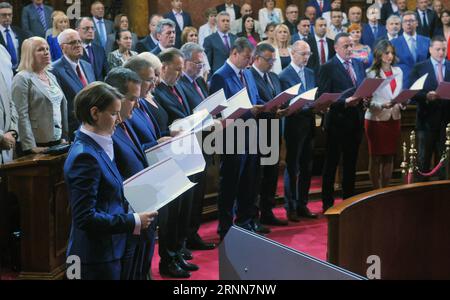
point(156, 186)
point(196, 122)
point(214, 104)
point(238, 105)
point(301, 100)
point(405, 95)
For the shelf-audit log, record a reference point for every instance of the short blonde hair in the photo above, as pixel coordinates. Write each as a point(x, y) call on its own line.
point(152, 59)
point(58, 16)
point(186, 31)
point(27, 55)
point(279, 27)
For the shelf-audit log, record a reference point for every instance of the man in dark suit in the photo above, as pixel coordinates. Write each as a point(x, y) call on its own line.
point(37, 18)
point(174, 220)
point(299, 134)
point(218, 45)
point(291, 18)
point(72, 73)
point(11, 37)
point(431, 111)
point(103, 27)
point(268, 86)
point(232, 9)
point(303, 30)
point(322, 48)
point(181, 18)
point(166, 34)
point(150, 42)
point(237, 180)
point(92, 53)
point(344, 121)
point(426, 17)
point(410, 47)
point(321, 6)
point(392, 7)
point(311, 14)
point(373, 30)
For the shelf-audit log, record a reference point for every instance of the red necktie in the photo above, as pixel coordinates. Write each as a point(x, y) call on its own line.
point(322, 52)
point(321, 5)
point(124, 127)
point(242, 78)
point(174, 91)
point(349, 68)
point(199, 91)
point(440, 73)
point(81, 77)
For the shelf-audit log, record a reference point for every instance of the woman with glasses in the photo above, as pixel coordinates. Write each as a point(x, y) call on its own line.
point(382, 119)
point(248, 30)
point(40, 102)
point(60, 23)
point(283, 48)
point(120, 56)
point(120, 23)
point(270, 14)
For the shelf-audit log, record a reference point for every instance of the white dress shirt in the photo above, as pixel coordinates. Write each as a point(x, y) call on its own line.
point(205, 31)
point(230, 10)
point(235, 69)
point(179, 18)
point(435, 67)
point(74, 66)
point(325, 46)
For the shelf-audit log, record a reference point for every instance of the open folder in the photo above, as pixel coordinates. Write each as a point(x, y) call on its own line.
point(196, 122)
point(238, 105)
point(325, 100)
point(301, 100)
point(282, 98)
point(368, 87)
point(214, 104)
point(443, 90)
point(185, 151)
point(405, 95)
point(156, 186)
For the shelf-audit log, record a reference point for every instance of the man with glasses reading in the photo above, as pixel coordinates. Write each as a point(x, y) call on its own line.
point(72, 73)
point(92, 53)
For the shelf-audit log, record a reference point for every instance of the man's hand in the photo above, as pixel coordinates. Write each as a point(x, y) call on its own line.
point(147, 218)
point(164, 139)
point(8, 142)
point(37, 150)
point(174, 133)
point(387, 105)
point(432, 96)
point(257, 109)
point(280, 113)
point(352, 101)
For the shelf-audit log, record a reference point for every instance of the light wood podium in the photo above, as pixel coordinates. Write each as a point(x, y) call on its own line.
point(37, 182)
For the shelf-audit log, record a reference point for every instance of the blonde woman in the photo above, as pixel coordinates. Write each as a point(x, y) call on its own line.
point(282, 47)
point(60, 23)
point(40, 102)
point(270, 13)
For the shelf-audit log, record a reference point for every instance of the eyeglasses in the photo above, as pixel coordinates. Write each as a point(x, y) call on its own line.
point(198, 65)
point(6, 15)
point(86, 29)
point(303, 53)
point(268, 60)
point(151, 81)
point(409, 21)
point(74, 43)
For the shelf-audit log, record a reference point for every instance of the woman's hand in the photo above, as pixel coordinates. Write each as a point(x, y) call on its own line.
point(387, 105)
point(147, 218)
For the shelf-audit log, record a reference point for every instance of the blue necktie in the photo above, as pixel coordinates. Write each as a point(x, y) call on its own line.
point(301, 74)
point(413, 48)
point(102, 33)
point(375, 31)
point(11, 48)
point(41, 13)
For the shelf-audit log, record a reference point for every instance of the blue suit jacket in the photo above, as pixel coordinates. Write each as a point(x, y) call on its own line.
point(147, 135)
point(156, 50)
point(216, 51)
point(100, 219)
point(187, 22)
point(145, 45)
point(101, 67)
point(70, 84)
point(170, 103)
point(109, 28)
point(326, 6)
point(192, 95)
point(31, 21)
point(368, 38)
point(431, 116)
point(406, 60)
point(334, 78)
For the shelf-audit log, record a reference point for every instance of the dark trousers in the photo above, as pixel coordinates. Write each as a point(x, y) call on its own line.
point(197, 206)
point(299, 155)
point(345, 144)
point(145, 247)
point(430, 142)
point(238, 182)
point(268, 189)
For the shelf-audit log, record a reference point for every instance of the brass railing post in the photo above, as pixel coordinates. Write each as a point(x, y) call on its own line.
point(412, 156)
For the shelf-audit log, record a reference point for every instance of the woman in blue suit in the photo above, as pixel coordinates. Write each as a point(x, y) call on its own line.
point(101, 221)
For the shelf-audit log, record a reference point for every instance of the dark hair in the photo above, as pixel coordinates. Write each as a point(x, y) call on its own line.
point(271, 24)
point(240, 44)
point(438, 38)
point(119, 78)
point(243, 33)
point(318, 19)
point(78, 22)
point(263, 47)
point(97, 94)
point(117, 37)
point(169, 55)
point(117, 21)
point(380, 48)
point(340, 35)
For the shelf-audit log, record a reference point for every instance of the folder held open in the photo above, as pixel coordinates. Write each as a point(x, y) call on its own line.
point(368, 87)
point(282, 98)
point(238, 105)
point(301, 100)
point(196, 122)
point(405, 95)
point(443, 90)
point(214, 104)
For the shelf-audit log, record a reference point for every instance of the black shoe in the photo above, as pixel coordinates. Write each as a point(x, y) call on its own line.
point(304, 212)
point(273, 221)
point(199, 244)
point(173, 270)
point(187, 255)
point(185, 265)
point(259, 228)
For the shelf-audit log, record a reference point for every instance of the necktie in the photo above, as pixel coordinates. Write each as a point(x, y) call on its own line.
point(349, 68)
point(440, 76)
point(101, 31)
point(424, 18)
point(321, 5)
point(322, 52)
point(41, 13)
point(225, 41)
point(301, 74)
point(90, 54)
point(11, 48)
point(174, 91)
point(375, 30)
point(127, 133)
point(269, 84)
point(199, 91)
point(413, 48)
point(242, 78)
point(80, 76)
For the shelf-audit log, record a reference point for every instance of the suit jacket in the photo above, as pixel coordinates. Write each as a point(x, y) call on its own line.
point(21, 35)
point(157, 50)
point(432, 19)
point(100, 66)
point(216, 51)
point(368, 38)
point(109, 27)
point(296, 37)
point(71, 85)
point(187, 22)
point(32, 23)
point(406, 60)
point(386, 11)
point(193, 97)
point(100, 218)
point(237, 10)
point(334, 78)
point(431, 115)
point(147, 134)
point(35, 109)
point(314, 60)
point(145, 45)
point(326, 6)
point(8, 116)
point(170, 103)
